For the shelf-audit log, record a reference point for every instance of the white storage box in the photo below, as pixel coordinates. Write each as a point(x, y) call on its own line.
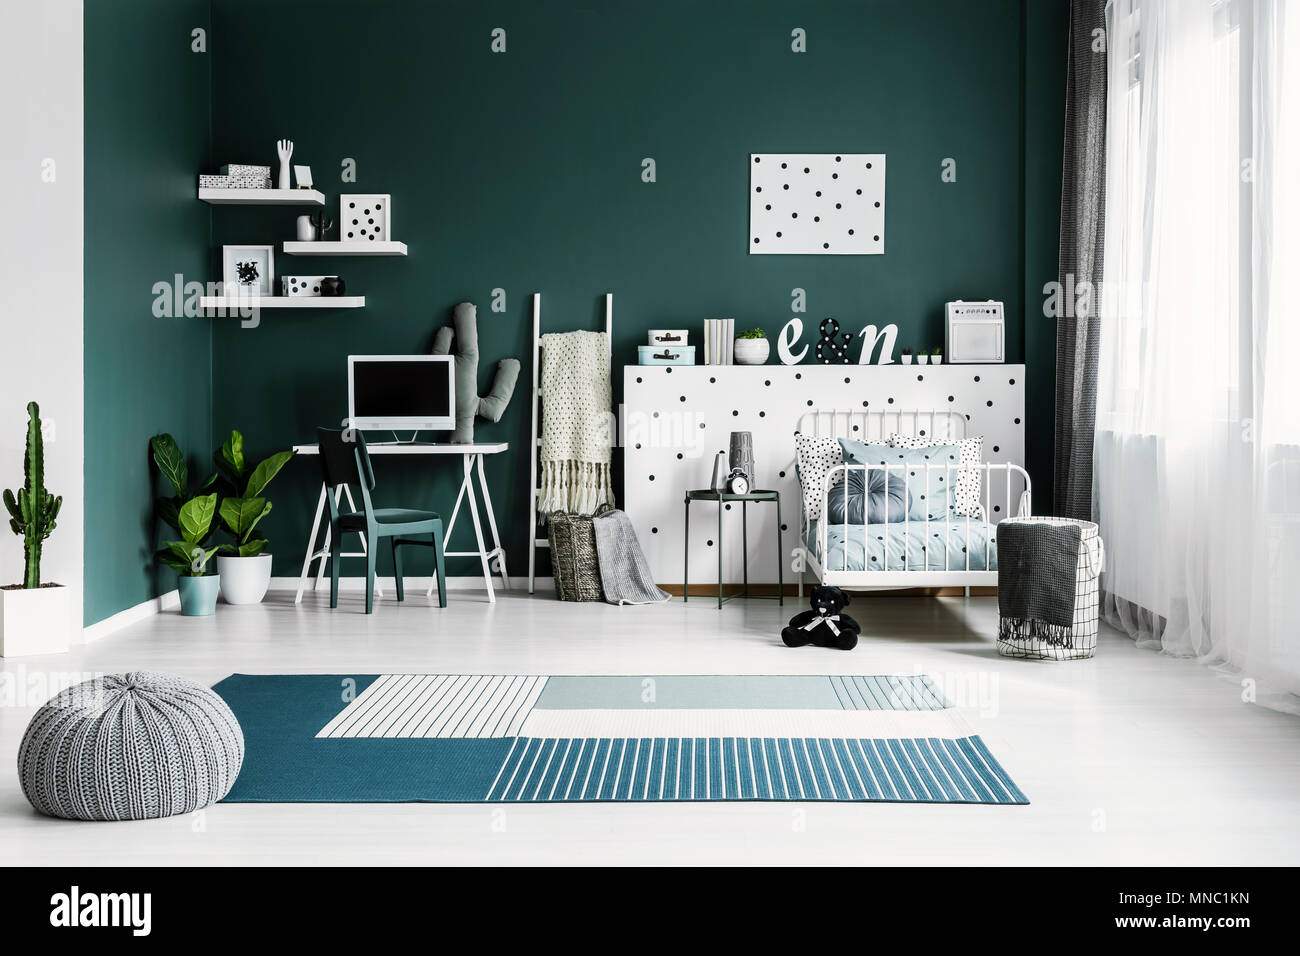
point(1083, 638)
point(675, 337)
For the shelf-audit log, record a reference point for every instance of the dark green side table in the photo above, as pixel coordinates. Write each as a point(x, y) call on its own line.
point(723, 499)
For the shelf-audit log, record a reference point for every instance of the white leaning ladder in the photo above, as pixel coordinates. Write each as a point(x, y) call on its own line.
point(534, 476)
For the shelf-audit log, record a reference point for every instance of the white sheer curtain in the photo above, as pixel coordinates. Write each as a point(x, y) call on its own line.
point(1197, 460)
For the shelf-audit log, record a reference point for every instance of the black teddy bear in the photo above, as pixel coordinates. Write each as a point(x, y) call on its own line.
point(824, 625)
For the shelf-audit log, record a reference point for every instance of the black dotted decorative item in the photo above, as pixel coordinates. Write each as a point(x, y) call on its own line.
point(829, 351)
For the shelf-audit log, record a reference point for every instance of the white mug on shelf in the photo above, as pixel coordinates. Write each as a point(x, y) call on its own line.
point(306, 230)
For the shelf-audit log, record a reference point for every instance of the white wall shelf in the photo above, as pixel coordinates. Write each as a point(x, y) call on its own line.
point(234, 303)
point(262, 197)
point(345, 248)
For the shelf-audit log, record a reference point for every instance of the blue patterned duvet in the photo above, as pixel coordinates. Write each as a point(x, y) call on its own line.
point(924, 544)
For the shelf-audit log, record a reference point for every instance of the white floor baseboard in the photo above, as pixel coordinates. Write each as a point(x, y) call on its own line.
point(171, 600)
point(165, 602)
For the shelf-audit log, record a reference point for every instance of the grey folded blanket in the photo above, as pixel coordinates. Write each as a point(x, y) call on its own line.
point(624, 572)
point(1037, 579)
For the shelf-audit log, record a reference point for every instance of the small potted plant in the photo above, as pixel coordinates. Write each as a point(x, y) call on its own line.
point(936, 357)
point(244, 565)
point(191, 517)
point(752, 347)
point(35, 616)
point(905, 355)
point(922, 357)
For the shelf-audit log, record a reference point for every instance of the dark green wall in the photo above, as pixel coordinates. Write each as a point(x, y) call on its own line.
point(522, 171)
point(1047, 29)
point(147, 109)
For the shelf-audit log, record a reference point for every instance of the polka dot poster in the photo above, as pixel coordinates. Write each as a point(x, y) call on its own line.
point(817, 204)
point(365, 217)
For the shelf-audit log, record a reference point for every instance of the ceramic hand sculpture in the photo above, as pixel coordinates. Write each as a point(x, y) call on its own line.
point(285, 148)
point(468, 402)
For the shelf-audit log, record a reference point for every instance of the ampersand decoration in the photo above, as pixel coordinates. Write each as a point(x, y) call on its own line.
point(829, 351)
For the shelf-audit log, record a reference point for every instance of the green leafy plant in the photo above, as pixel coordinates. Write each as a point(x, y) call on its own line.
point(188, 514)
point(752, 334)
point(189, 557)
point(936, 351)
point(33, 510)
point(245, 505)
point(906, 350)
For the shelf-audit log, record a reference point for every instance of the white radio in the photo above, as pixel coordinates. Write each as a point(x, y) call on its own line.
point(974, 332)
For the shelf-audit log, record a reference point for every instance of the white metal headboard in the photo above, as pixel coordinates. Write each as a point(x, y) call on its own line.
point(866, 425)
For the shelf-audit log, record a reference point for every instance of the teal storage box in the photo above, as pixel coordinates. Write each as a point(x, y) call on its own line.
point(665, 354)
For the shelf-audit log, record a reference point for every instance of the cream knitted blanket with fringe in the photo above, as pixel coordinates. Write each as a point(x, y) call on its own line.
point(575, 423)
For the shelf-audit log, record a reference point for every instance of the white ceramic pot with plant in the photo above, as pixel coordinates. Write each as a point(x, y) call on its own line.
point(192, 517)
point(936, 357)
point(922, 358)
point(245, 564)
point(751, 347)
point(35, 616)
point(905, 356)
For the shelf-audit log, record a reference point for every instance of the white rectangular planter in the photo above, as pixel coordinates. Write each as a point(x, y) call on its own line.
point(35, 621)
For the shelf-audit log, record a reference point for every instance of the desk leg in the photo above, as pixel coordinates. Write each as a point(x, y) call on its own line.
point(492, 524)
point(478, 527)
point(311, 545)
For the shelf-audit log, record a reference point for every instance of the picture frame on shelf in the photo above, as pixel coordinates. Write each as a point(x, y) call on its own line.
point(248, 270)
point(365, 217)
point(303, 175)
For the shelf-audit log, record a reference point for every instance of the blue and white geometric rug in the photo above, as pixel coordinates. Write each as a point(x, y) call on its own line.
point(459, 738)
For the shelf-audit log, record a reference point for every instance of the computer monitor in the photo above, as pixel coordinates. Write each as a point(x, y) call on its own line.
point(401, 392)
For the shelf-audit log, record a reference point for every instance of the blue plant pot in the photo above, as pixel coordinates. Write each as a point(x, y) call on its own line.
point(198, 595)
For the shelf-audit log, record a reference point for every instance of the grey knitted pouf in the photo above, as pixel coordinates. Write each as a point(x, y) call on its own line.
point(130, 747)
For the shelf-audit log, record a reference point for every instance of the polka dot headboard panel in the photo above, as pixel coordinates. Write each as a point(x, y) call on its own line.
point(677, 418)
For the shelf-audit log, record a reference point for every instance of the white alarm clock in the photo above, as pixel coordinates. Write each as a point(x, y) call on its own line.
point(737, 482)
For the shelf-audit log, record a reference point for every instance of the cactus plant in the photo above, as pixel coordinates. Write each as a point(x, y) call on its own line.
point(464, 332)
point(32, 512)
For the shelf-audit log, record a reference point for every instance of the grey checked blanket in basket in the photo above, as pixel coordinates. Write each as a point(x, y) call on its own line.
point(1037, 581)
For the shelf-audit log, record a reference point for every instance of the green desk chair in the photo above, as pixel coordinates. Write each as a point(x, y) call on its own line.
point(345, 461)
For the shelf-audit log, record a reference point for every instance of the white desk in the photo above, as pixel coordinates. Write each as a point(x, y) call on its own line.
point(471, 461)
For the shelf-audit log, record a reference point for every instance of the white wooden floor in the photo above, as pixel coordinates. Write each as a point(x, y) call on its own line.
point(1128, 758)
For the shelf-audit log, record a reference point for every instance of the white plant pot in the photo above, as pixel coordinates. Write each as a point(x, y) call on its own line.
point(752, 351)
point(905, 359)
point(35, 621)
point(936, 359)
point(244, 580)
point(922, 359)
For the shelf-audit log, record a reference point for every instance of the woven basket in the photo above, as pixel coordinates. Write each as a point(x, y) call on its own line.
point(1083, 640)
point(573, 556)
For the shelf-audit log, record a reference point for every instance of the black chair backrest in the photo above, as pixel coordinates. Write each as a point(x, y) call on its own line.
point(344, 458)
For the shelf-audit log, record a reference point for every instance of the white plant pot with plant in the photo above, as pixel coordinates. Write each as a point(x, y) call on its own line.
point(905, 356)
point(245, 565)
point(922, 358)
point(35, 616)
point(752, 348)
point(936, 357)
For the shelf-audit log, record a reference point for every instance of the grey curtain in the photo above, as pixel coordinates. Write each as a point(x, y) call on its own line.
point(1083, 204)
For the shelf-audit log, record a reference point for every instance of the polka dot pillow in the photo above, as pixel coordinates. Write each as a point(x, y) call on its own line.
point(966, 499)
point(927, 487)
point(814, 457)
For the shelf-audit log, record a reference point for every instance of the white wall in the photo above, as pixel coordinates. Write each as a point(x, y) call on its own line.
point(41, 268)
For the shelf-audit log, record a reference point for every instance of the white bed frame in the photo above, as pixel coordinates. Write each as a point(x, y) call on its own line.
point(877, 426)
